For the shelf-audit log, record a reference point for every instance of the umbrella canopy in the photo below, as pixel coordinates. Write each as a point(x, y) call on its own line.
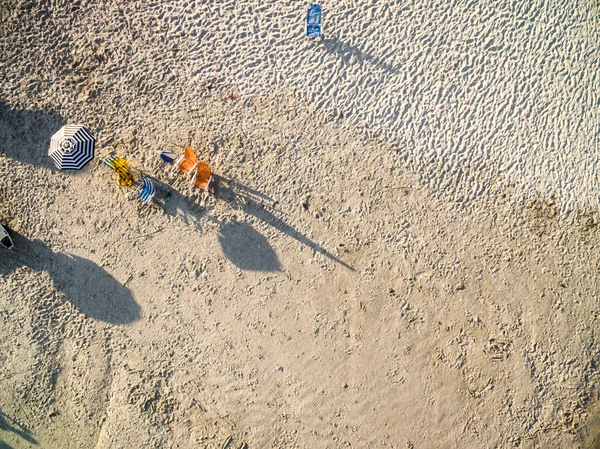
point(72, 147)
point(5, 239)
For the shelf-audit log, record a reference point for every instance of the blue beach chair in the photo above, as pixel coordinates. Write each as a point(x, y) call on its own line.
point(145, 191)
point(168, 156)
point(313, 21)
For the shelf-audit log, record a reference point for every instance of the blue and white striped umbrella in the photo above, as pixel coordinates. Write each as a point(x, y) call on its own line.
point(72, 147)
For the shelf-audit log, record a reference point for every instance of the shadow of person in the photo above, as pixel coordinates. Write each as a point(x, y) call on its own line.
point(347, 52)
point(246, 248)
point(25, 134)
point(89, 287)
point(11, 426)
point(251, 202)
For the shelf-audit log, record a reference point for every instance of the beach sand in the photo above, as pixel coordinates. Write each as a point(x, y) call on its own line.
point(401, 250)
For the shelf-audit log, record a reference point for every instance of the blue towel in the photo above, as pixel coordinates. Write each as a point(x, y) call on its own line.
point(313, 21)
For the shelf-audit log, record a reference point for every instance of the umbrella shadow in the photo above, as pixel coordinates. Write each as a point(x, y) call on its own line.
point(89, 287)
point(10, 425)
point(348, 52)
point(25, 134)
point(242, 244)
point(247, 248)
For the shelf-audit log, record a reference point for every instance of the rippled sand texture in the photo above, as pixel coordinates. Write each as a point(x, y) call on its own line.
point(472, 89)
point(476, 92)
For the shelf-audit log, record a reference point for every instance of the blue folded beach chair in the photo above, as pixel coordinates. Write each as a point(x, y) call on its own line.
point(313, 21)
point(168, 156)
point(147, 190)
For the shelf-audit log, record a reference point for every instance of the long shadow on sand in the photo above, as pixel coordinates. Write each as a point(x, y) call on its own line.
point(89, 287)
point(9, 425)
point(25, 134)
point(243, 245)
point(347, 52)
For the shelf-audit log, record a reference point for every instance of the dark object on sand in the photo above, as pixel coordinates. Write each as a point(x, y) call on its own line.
point(5, 239)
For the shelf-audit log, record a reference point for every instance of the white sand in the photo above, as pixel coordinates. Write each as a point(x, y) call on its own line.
point(378, 271)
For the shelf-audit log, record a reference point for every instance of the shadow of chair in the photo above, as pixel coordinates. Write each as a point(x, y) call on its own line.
point(348, 51)
point(177, 205)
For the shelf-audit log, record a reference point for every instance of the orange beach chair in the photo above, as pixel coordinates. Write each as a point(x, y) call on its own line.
point(201, 173)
